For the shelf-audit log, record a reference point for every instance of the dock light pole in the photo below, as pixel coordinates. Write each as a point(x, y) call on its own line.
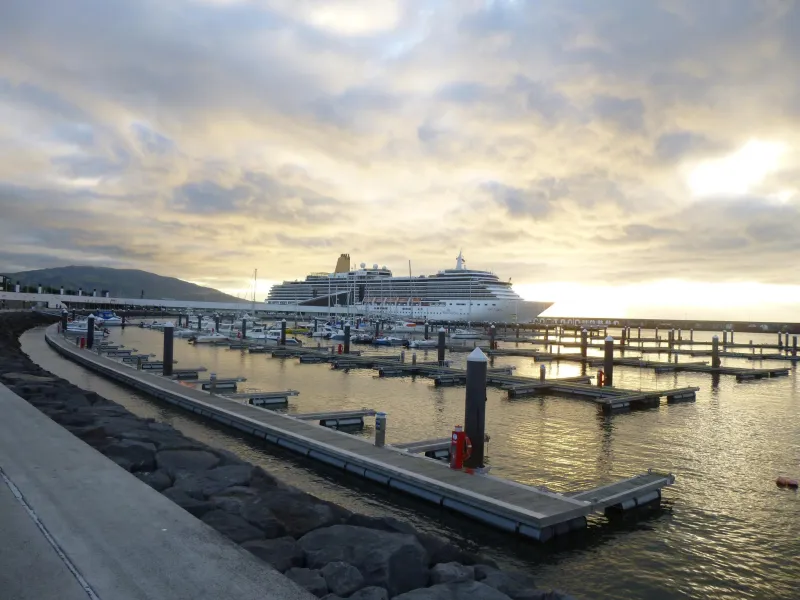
point(492, 334)
point(347, 338)
point(608, 361)
point(169, 330)
point(283, 332)
point(715, 364)
point(475, 410)
point(90, 331)
point(380, 429)
point(584, 342)
point(440, 347)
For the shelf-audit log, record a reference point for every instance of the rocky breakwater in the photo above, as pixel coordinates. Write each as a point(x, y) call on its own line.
point(323, 547)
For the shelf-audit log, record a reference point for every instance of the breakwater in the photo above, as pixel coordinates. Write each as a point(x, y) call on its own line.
point(323, 547)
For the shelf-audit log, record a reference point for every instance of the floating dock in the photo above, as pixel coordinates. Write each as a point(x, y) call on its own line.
point(507, 505)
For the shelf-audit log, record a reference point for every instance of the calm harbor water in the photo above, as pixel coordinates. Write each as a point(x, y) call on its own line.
point(725, 529)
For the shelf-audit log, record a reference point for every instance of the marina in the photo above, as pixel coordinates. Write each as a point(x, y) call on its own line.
point(527, 511)
point(555, 442)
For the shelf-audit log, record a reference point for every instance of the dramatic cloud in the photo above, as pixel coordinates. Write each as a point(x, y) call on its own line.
point(622, 142)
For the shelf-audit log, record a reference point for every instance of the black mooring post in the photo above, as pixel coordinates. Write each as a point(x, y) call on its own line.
point(169, 331)
point(475, 409)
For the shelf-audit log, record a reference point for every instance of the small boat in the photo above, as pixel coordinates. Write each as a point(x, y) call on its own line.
point(787, 482)
point(362, 338)
point(110, 318)
point(466, 334)
point(390, 341)
point(406, 327)
point(423, 344)
point(209, 338)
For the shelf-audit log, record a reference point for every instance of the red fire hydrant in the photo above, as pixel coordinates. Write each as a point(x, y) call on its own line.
point(460, 448)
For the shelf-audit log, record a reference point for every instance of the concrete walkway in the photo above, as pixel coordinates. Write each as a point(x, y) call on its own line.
point(74, 525)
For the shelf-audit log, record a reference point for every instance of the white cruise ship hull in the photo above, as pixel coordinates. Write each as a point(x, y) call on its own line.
point(497, 311)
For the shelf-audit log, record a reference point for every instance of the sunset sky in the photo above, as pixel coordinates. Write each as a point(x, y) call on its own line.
point(618, 157)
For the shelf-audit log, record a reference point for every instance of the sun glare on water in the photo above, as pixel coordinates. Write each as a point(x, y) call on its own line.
point(738, 173)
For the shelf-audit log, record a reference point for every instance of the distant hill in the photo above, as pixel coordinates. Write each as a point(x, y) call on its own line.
point(120, 283)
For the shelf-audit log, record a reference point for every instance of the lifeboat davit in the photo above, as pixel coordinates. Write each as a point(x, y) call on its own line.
point(786, 482)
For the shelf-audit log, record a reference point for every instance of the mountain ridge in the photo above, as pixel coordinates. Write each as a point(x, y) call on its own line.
point(120, 283)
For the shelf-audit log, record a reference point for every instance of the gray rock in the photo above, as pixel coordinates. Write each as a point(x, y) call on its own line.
point(164, 440)
point(332, 597)
point(28, 378)
point(310, 579)
point(381, 523)
point(256, 510)
point(451, 573)
point(467, 590)
point(117, 425)
point(158, 480)
point(231, 499)
point(176, 461)
point(282, 553)
point(442, 551)
point(133, 455)
point(371, 593)
point(262, 480)
point(514, 584)
point(342, 578)
point(191, 505)
point(392, 560)
point(213, 481)
point(232, 526)
point(300, 512)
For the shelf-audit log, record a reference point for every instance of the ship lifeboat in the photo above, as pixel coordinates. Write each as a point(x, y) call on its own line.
point(786, 482)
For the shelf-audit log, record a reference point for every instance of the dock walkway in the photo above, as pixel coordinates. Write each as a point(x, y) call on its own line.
point(504, 504)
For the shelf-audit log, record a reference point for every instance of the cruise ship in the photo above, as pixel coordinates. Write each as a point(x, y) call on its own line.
point(458, 294)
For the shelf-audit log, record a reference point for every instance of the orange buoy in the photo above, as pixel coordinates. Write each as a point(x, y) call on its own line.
point(786, 482)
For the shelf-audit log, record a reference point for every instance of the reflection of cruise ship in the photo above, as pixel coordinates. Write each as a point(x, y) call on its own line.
point(458, 294)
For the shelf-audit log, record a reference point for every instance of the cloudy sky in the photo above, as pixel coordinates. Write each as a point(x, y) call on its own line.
point(615, 156)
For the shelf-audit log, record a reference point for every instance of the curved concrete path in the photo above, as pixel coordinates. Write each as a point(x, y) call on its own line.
point(74, 525)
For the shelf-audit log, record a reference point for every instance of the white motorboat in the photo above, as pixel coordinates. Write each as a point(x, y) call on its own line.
point(390, 341)
point(210, 338)
point(423, 344)
point(110, 318)
point(406, 327)
point(466, 334)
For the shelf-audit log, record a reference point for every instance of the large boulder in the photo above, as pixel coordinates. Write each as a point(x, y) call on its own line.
point(515, 585)
point(451, 573)
point(176, 461)
point(231, 499)
point(232, 526)
point(442, 551)
point(132, 455)
point(164, 440)
point(342, 578)
point(310, 579)
point(297, 511)
point(395, 561)
point(158, 480)
point(281, 553)
point(382, 523)
point(115, 426)
point(191, 505)
point(213, 481)
point(467, 590)
point(257, 511)
point(371, 593)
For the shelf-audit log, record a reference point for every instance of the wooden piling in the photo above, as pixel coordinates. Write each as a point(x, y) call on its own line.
point(166, 369)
